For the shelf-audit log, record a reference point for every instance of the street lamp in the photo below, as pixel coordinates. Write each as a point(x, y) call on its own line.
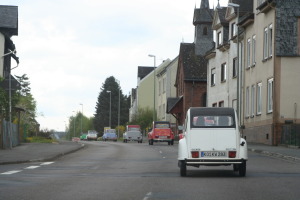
point(13, 54)
point(74, 123)
point(150, 55)
point(238, 99)
point(119, 109)
point(81, 117)
point(108, 91)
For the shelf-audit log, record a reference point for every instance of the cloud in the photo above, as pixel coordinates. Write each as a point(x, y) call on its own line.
point(68, 48)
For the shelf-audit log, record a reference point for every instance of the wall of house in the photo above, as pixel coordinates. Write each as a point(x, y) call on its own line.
point(222, 91)
point(259, 126)
point(2, 42)
point(289, 87)
point(145, 92)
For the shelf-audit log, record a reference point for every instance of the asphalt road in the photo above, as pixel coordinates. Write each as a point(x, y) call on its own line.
point(121, 171)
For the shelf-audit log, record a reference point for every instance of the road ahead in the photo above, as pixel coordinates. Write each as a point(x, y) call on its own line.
point(110, 170)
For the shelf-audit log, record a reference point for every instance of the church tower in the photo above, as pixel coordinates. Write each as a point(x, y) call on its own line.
point(203, 19)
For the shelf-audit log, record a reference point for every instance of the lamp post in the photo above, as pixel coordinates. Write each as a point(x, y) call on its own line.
point(109, 108)
point(13, 54)
point(74, 123)
point(238, 99)
point(119, 110)
point(81, 117)
point(150, 55)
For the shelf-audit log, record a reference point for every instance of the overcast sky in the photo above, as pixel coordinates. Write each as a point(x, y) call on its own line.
point(69, 47)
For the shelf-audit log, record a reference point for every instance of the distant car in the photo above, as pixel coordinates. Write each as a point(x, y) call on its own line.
point(110, 135)
point(133, 136)
point(92, 135)
point(83, 136)
point(211, 137)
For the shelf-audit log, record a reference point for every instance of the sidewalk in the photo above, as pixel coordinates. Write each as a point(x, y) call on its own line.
point(33, 152)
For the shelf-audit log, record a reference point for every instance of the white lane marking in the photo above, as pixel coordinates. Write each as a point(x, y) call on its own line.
point(160, 151)
point(47, 163)
point(148, 195)
point(11, 172)
point(32, 167)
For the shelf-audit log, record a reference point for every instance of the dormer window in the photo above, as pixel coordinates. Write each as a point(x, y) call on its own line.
point(219, 42)
point(233, 30)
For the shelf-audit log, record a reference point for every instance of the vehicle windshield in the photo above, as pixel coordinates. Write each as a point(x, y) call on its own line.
point(223, 121)
point(133, 129)
point(162, 125)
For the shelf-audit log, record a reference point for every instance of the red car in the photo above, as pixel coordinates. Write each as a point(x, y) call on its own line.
point(161, 132)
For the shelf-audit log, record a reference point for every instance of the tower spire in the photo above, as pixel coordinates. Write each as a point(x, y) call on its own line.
point(204, 4)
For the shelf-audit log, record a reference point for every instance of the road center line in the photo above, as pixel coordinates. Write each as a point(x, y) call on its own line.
point(47, 163)
point(11, 172)
point(32, 167)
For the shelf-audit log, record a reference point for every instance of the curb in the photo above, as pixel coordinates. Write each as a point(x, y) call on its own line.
point(275, 155)
point(50, 158)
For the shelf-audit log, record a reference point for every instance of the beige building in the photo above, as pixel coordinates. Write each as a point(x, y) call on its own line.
point(143, 96)
point(271, 95)
point(268, 68)
point(166, 77)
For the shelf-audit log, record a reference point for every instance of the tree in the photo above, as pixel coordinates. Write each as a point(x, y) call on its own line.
point(24, 99)
point(102, 113)
point(144, 118)
point(87, 124)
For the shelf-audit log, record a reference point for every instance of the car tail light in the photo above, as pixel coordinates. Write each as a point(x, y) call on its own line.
point(232, 154)
point(168, 136)
point(195, 154)
point(156, 136)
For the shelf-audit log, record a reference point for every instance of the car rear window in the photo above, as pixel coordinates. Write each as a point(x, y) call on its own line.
point(162, 125)
point(213, 121)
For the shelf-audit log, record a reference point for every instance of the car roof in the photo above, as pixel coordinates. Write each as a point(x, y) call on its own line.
point(194, 111)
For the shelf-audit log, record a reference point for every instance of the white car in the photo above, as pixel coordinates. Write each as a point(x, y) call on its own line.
point(211, 137)
point(133, 136)
point(92, 135)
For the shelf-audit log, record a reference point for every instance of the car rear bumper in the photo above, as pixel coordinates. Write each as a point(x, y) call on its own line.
point(162, 140)
point(219, 161)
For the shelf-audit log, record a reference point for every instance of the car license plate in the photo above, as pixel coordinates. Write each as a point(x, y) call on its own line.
point(163, 137)
point(213, 153)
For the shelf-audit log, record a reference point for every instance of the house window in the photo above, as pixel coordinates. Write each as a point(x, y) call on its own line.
point(205, 30)
point(234, 67)
point(159, 87)
point(214, 105)
point(266, 43)
point(213, 77)
point(164, 85)
point(268, 35)
point(247, 113)
point(233, 29)
point(270, 32)
point(253, 50)
point(252, 100)
point(221, 104)
point(219, 38)
point(223, 72)
point(259, 100)
point(270, 96)
point(248, 53)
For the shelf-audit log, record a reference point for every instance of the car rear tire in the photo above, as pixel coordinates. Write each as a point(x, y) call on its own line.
point(182, 168)
point(172, 142)
point(242, 169)
point(150, 142)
